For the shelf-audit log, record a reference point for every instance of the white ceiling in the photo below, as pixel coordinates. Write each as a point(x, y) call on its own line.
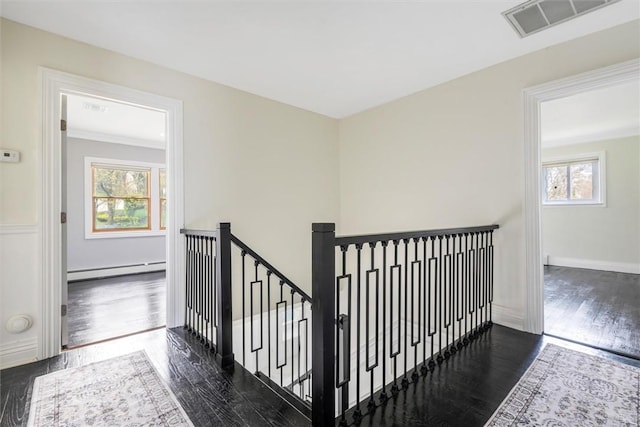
point(332, 57)
point(105, 120)
point(609, 113)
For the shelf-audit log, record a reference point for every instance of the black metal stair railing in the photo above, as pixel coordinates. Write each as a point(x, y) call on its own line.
point(276, 326)
point(272, 329)
point(200, 296)
point(387, 309)
point(398, 305)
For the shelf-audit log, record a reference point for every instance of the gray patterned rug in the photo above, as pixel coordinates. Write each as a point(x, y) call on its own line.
point(123, 391)
point(568, 388)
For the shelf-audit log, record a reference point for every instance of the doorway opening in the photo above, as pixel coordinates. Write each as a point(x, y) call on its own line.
point(533, 98)
point(590, 197)
point(55, 84)
point(114, 197)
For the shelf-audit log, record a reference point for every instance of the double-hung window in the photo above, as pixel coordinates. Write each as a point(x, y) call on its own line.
point(124, 198)
point(576, 180)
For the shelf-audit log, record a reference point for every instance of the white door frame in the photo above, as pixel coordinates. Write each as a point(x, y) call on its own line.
point(53, 84)
point(616, 74)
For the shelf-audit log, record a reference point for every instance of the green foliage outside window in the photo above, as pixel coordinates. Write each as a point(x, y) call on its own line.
point(120, 198)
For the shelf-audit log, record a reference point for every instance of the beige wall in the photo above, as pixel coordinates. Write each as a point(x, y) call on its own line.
point(453, 155)
point(270, 168)
point(599, 234)
point(447, 156)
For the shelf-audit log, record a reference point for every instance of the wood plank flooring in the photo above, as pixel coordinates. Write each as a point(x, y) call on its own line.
point(209, 396)
point(598, 308)
point(112, 307)
point(464, 391)
point(467, 389)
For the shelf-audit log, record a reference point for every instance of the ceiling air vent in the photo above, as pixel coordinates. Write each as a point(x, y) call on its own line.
point(537, 15)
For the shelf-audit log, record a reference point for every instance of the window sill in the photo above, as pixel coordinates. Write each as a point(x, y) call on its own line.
point(124, 234)
point(565, 204)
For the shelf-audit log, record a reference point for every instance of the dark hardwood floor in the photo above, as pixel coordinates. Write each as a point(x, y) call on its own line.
point(464, 391)
point(209, 395)
point(112, 307)
point(597, 308)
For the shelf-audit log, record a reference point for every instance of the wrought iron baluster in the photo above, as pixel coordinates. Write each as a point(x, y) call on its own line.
point(207, 290)
point(486, 281)
point(425, 311)
point(440, 304)
point(454, 294)
point(432, 318)
point(343, 323)
point(283, 338)
point(370, 367)
point(269, 323)
point(292, 339)
point(415, 277)
point(243, 255)
point(383, 393)
point(307, 369)
point(255, 349)
point(393, 354)
point(478, 284)
point(200, 285)
point(215, 279)
point(490, 278)
point(469, 288)
point(460, 271)
point(405, 381)
point(357, 413)
point(482, 281)
point(302, 375)
point(447, 296)
point(188, 283)
point(474, 272)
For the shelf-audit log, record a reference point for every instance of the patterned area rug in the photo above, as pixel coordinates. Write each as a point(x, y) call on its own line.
point(123, 391)
point(568, 388)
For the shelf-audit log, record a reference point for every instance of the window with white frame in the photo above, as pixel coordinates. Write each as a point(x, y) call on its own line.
point(124, 198)
point(576, 180)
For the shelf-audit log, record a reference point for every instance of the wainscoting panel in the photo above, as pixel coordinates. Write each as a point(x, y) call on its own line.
point(19, 291)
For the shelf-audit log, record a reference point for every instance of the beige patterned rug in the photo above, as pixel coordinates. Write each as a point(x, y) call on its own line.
point(123, 391)
point(568, 388)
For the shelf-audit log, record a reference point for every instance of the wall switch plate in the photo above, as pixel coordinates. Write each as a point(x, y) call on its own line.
point(9, 156)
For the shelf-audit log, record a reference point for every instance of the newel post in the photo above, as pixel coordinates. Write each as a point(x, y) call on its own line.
point(323, 325)
point(224, 333)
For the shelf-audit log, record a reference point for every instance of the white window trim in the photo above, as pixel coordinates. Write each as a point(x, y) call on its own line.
point(599, 179)
point(154, 200)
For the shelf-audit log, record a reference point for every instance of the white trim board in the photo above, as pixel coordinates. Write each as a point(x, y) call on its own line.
point(19, 229)
point(532, 98)
point(97, 273)
point(53, 84)
point(619, 267)
point(18, 352)
point(114, 139)
point(507, 316)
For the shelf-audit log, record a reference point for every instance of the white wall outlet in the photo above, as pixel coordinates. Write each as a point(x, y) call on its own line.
point(9, 156)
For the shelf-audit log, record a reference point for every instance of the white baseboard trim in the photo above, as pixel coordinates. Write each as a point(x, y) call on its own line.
point(619, 267)
point(508, 317)
point(18, 352)
point(115, 271)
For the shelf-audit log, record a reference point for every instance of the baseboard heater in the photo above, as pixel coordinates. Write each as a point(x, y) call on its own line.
point(96, 273)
